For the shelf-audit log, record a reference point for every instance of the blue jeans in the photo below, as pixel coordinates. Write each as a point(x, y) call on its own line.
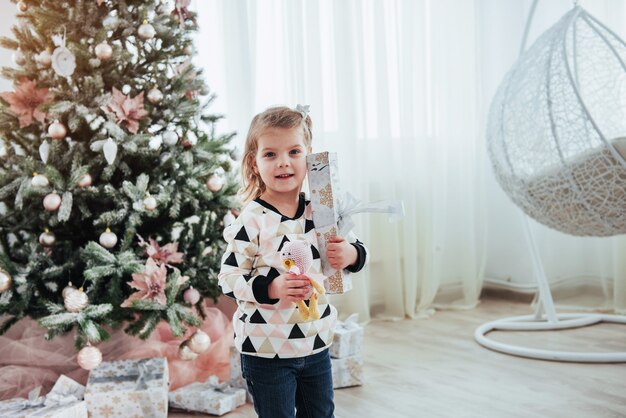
point(294, 387)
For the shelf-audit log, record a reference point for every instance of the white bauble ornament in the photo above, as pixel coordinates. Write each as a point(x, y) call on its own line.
point(108, 239)
point(63, 61)
point(75, 301)
point(103, 51)
point(19, 58)
point(39, 180)
point(5, 280)
point(170, 138)
point(228, 219)
point(155, 142)
point(84, 181)
point(47, 238)
point(146, 31)
point(110, 151)
point(185, 352)
point(89, 357)
point(57, 130)
point(149, 203)
point(215, 183)
point(191, 296)
point(67, 289)
point(22, 7)
point(155, 96)
point(51, 202)
point(199, 342)
point(44, 58)
point(110, 22)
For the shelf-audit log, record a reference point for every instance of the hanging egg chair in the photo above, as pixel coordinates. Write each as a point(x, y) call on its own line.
point(556, 137)
point(556, 133)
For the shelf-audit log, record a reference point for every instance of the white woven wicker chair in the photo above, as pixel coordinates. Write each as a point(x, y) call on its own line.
point(556, 138)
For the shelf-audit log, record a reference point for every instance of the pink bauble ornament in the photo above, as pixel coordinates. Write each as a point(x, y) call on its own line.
point(155, 96)
point(185, 352)
point(19, 58)
point(191, 296)
point(44, 58)
point(52, 202)
point(146, 31)
point(47, 238)
point(89, 357)
point(199, 342)
point(103, 51)
point(215, 183)
point(22, 7)
point(84, 181)
point(57, 130)
point(5, 280)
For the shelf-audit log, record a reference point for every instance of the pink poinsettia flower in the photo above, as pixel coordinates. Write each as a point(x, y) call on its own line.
point(167, 254)
point(25, 102)
point(151, 284)
point(127, 109)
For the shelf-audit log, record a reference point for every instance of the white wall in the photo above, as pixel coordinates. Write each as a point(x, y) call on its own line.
point(7, 11)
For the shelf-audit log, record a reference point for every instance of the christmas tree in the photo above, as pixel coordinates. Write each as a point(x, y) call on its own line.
point(111, 206)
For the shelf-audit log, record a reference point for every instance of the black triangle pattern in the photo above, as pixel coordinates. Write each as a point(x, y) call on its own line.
point(296, 332)
point(283, 218)
point(285, 239)
point(247, 277)
point(319, 343)
point(326, 311)
point(231, 260)
point(257, 318)
point(247, 346)
point(242, 235)
point(230, 294)
point(316, 254)
point(243, 317)
point(309, 225)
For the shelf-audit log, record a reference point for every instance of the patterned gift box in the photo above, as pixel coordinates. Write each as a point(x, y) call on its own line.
point(348, 338)
point(324, 187)
point(236, 379)
point(210, 397)
point(134, 388)
point(347, 371)
point(63, 401)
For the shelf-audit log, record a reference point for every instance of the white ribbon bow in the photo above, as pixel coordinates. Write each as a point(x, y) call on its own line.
point(351, 322)
point(350, 205)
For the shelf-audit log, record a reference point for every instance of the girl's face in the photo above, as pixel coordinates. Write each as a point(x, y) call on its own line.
point(281, 160)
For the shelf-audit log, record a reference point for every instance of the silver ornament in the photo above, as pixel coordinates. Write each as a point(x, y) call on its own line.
point(19, 58)
point(63, 61)
point(44, 151)
point(146, 31)
point(84, 181)
point(89, 357)
point(22, 7)
point(103, 51)
point(155, 96)
point(57, 130)
point(149, 203)
point(51, 202)
point(110, 151)
point(155, 142)
point(75, 301)
point(5, 281)
point(170, 138)
point(67, 289)
point(185, 352)
point(39, 180)
point(191, 296)
point(108, 239)
point(199, 342)
point(110, 22)
point(125, 89)
point(47, 238)
point(44, 58)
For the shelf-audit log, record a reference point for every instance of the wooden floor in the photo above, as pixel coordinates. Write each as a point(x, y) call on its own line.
point(434, 368)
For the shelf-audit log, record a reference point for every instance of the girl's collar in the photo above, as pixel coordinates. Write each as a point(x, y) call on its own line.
point(299, 212)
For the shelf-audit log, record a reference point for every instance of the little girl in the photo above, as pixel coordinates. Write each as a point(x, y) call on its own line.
point(284, 358)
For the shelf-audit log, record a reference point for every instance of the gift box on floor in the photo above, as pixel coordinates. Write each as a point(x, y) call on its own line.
point(63, 401)
point(128, 388)
point(236, 379)
point(324, 188)
point(210, 397)
point(347, 371)
point(348, 338)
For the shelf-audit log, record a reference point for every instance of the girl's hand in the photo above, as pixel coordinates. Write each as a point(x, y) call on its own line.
point(340, 253)
point(290, 287)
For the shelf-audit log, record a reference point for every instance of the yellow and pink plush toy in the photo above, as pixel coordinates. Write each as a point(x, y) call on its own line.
point(297, 259)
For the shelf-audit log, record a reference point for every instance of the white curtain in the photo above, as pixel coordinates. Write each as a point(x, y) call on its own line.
point(400, 90)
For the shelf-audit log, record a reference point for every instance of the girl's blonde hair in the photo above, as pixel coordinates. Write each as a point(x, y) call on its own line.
point(274, 117)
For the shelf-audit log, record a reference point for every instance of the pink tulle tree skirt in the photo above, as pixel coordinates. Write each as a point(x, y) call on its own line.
point(27, 360)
